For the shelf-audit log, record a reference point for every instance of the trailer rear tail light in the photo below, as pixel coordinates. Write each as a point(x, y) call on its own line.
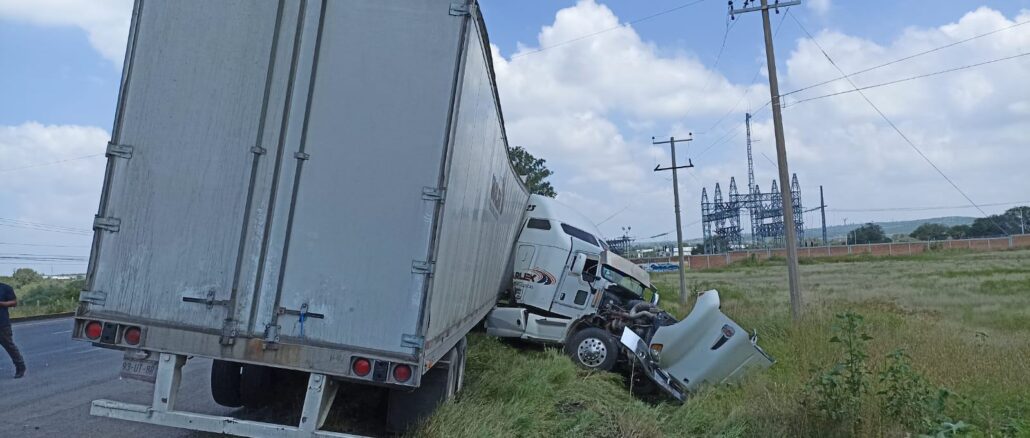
point(93, 330)
point(401, 373)
point(131, 336)
point(361, 367)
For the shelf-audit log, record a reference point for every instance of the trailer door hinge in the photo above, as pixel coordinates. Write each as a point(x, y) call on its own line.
point(107, 224)
point(229, 332)
point(413, 341)
point(118, 150)
point(258, 150)
point(93, 297)
point(433, 193)
point(422, 267)
point(302, 156)
point(459, 8)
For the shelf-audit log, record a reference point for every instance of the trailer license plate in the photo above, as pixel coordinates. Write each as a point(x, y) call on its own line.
point(137, 368)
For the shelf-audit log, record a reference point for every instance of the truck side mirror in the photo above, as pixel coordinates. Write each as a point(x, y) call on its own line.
point(579, 263)
point(654, 298)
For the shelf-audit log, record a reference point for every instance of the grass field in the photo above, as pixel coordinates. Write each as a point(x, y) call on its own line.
point(963, 318)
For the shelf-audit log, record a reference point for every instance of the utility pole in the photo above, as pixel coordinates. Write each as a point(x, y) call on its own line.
point(822, 206)
point(790, 233)
point(676, 195)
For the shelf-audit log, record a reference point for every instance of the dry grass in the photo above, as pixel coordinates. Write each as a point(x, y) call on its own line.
point(964, 318)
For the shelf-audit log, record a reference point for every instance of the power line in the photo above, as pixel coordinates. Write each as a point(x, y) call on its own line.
point(906, 58)
point(912, 78)
point(747, 91)
point(619, 26)
point(12, 223)
point(43, 245)
point(895, 127)
point(51, 163)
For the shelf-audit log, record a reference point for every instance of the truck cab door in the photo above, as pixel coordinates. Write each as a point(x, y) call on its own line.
point(574, 292)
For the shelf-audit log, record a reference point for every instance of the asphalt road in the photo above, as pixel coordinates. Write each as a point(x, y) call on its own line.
point(64, 376)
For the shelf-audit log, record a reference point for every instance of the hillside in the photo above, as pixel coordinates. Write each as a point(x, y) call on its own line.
point(891, 228)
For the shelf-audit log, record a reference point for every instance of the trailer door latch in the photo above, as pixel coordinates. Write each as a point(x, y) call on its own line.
point(208, 300)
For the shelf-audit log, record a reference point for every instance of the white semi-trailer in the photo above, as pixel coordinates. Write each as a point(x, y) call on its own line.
point(301, 186)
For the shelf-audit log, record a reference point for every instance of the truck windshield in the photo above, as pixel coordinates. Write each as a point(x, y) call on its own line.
point(627, 282)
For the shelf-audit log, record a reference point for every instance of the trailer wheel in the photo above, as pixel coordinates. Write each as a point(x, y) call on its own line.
point(593, 348)
point(257, 386)
point(225, 383)
point(406, 408)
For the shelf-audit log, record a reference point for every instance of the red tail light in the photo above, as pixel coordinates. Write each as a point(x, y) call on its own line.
point(361, 367)
point(401, 373)
point(94, 329)
point(131, 336)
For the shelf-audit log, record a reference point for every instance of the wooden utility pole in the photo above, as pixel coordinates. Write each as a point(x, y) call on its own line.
point(676, 201)
point(789, 230)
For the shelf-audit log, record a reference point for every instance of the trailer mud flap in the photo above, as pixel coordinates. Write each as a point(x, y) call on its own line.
point(640, 353)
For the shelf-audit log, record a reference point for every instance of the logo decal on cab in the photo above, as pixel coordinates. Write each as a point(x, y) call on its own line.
point(535, 276)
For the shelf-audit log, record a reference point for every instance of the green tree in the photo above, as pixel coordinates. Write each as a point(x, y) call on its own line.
point(25, 276)
point(534, 170)
point(868, 233)
point(1013, 221)
point(929, 231)
point(959, 231)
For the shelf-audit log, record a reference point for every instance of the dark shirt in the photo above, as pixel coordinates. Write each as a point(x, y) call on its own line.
point(6, 294)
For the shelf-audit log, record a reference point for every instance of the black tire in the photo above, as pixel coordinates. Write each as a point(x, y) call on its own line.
point(257, 386)
point(593, 348)
point(225, 383)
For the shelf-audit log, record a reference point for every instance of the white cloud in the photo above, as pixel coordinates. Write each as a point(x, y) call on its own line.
point(590, 108)
point(64, 194)
point(819, 6)
point(968, 123)
point(106, 22)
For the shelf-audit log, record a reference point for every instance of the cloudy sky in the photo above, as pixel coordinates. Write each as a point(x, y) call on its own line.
point(586, 84)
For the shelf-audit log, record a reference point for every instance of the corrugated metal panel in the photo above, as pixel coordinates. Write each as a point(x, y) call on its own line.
point(373, 143)
point(484, 207)
point(189, 114)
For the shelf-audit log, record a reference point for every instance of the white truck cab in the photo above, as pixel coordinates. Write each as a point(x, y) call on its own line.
point(568, 289)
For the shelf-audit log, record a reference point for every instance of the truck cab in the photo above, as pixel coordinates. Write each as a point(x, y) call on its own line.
point(555, 266)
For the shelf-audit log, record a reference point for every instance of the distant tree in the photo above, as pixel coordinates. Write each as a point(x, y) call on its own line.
point(533, 169)
point(868, 233)
point(25, 276)
point(929, 231)
point(959, 231)
point(1012, 221)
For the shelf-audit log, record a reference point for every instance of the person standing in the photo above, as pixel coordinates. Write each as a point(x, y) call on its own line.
point(8, 300)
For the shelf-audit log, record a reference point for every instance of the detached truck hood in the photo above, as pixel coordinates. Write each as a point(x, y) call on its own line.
point(707, 347)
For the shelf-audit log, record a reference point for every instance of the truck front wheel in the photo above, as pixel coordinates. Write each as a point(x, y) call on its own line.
point(593, 348)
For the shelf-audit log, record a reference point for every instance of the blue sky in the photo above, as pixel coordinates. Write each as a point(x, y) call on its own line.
point(608, 95)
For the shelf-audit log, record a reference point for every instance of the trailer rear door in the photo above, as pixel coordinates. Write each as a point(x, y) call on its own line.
point(181, 159)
